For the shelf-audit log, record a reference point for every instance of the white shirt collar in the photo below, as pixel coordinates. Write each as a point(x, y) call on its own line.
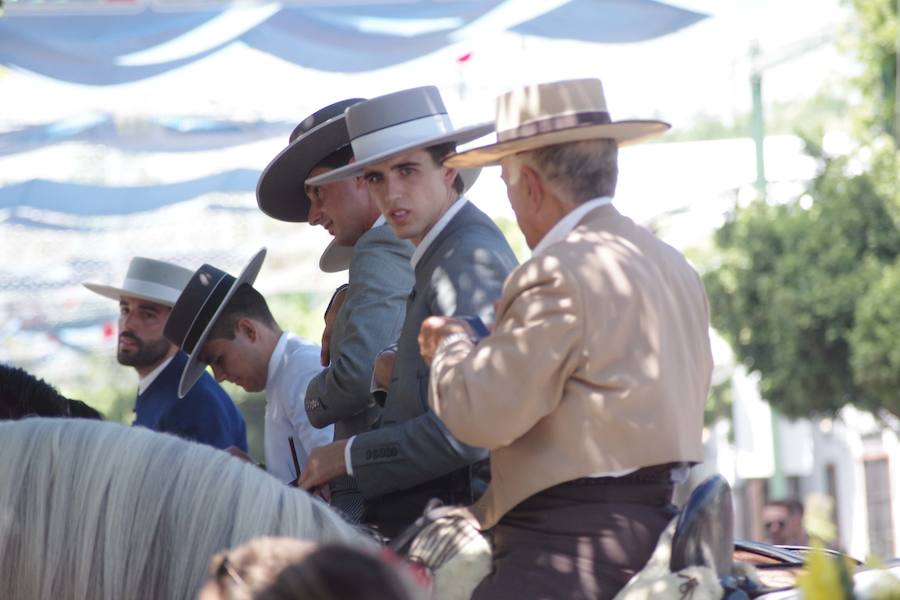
point(436, 230)
point(277, 358)
point(145, 381)
point(379, 221)
point(565, 225)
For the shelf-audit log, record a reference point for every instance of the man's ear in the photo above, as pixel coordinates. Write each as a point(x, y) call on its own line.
point(450, 175)
point(534, 186)
point(247, 328)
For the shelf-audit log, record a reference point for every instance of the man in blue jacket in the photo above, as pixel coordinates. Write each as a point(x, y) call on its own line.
point(206, 415)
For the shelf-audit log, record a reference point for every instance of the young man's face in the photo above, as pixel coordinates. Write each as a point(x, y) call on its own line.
point(141, 342)
point(342, 207)
point(412, 192)
point(239, 361)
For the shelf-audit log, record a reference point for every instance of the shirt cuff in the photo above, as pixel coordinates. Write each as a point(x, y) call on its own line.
point(452, 338)
point(373, 385)
point(347, 462)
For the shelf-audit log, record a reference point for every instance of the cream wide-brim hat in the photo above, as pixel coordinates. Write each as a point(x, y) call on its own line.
point(554, 113)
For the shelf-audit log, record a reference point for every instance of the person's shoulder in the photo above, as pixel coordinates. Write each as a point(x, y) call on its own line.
point(301, 350)
point(381, 235)
point(380, 244)
point(204, 390)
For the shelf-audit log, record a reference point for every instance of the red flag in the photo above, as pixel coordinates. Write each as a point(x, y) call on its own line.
point(464, 58)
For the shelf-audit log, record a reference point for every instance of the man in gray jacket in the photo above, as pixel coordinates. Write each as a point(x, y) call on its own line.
point(460, 263)
point(380, 277)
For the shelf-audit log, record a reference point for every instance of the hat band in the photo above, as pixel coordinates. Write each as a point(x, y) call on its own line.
point(400, 135)
point(142, 287)
point(553, 123)
point(213, 301)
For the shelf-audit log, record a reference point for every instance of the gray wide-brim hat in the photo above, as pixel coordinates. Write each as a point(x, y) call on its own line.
point(197, 310)
point(281, 189)
point(398, 123)
point(554, 113)
point(148, 279)
point(336, 258)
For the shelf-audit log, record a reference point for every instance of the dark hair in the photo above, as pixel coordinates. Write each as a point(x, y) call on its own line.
point(246, 303)
point(22, 394)
point(438, 154)
point(338, 158)
point(80, 410)
point(793, 505)
point(282, 568)
point(335, 572)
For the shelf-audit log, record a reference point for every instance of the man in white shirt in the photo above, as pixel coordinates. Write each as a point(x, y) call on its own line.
point(225, 323)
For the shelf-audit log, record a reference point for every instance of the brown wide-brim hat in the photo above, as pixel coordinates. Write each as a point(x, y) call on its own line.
point(197, 310)
point(281, 189)
point(399, 123)
point(554, 113)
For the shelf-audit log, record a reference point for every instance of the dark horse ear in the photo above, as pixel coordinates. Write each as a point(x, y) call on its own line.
point(704, 533)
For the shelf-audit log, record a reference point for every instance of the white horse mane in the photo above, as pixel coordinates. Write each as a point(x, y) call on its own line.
point(99, 510)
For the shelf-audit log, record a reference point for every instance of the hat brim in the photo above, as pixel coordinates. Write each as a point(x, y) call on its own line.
point(194, 369)
point(281, 189)
point(335, 258)
point(624, 132)
point(115, 293)
point(460, 136)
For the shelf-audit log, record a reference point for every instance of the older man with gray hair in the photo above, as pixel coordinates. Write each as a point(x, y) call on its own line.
point(590, 391)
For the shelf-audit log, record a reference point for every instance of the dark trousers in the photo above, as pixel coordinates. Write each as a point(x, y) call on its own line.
point(392, 513)
point(578, 540)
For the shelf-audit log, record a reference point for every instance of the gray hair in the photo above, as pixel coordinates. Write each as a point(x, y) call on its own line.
point(99, 510)
point(583, 170)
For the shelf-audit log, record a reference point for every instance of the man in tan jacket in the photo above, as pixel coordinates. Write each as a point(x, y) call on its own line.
point(590, 391)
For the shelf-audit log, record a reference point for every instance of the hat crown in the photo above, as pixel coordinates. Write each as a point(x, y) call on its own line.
point(534, 108)
point(157, 272)
point(393, 109)
point(203, 294)
point(395, 120)
point(323, 115)
point(147, 279)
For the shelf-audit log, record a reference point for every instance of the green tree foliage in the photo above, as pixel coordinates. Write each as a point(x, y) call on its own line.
point(810, 297)
point(790, 281)
point(876, 46)
point(875, 339)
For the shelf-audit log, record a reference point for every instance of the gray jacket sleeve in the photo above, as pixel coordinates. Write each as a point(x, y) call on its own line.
point(370, 319)
point(404, 454)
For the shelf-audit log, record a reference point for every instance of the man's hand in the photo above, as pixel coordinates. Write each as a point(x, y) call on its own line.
point(434, 330)
point(384, 368)
point(337, 301)
point(323, 464)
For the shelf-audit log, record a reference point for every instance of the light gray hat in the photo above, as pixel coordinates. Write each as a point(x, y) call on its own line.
point(148, 279)
point(397, 123)
point(335, 258)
